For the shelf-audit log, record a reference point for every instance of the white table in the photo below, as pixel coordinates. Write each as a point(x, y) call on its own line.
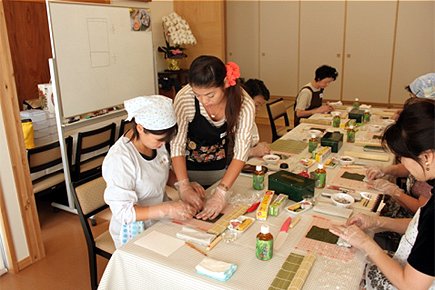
point(135, 267)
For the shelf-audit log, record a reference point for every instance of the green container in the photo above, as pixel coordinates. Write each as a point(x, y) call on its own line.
point(357, 115)
point(333, 140)
point(290, 184)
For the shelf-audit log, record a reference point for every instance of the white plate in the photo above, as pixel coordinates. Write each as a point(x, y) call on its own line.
point(298, 212)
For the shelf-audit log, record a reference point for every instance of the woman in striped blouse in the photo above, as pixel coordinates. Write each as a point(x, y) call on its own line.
point(211, 110)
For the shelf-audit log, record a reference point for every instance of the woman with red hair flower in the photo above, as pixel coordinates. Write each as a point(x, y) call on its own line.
point(211, 110)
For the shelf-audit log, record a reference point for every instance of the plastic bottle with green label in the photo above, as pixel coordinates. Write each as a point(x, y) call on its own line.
point(336, 120)
point(313, 142)
point(258, 178)
point(366, 116)
point(351, 134)
point(264, 244)
point(356, 104)
point(320, 176)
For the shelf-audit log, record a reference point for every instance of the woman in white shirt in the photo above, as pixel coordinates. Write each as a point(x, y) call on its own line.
point(137, 170)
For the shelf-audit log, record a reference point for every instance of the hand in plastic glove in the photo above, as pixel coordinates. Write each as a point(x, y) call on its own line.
point(199, 189)
point(214, 205)
point(421, 188)
point(357, 238)
point(176, 210)
point(260, 150)
point(386, 187)
point(374, 172)
point(366, 221)
point(188, 194)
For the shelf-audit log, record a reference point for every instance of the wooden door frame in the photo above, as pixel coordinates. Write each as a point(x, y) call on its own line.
point(20, 167)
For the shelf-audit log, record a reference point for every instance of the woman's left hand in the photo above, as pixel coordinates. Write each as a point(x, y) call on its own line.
point(351, 234)
point(214, 205)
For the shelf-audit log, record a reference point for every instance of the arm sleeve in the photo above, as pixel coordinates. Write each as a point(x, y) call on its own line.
point(304, 100)
point(184, 106)
point(120, 195)
point(243, 135)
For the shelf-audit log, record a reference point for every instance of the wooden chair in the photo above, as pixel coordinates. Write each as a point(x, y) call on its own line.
point(277, 110)
point(88, 196)
point(92, 142)
point(46, 161)
point(124, 127)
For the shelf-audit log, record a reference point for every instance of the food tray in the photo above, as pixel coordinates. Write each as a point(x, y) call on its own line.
point(300, 210)
point(241, 219)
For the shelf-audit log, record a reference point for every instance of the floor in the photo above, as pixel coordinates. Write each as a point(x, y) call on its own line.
point(66, 263)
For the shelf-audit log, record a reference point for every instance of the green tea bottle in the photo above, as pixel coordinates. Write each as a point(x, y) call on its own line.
point(320, 176)
point(258, 178)
point(366, 116)
point(356, 104)
point(312, 143)
point(336, 120)
point(264, 244)
point(351, 134)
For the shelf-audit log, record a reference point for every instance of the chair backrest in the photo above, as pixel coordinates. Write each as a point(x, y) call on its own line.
point(48, 158)
point(124, 127)
point(92, 141)
point(276, 110)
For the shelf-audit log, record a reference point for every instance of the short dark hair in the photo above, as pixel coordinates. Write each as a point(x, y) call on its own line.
point(255, 87)
point(413, 133)
point(326, 71)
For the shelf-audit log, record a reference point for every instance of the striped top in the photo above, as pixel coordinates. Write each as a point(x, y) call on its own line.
point(184, 106)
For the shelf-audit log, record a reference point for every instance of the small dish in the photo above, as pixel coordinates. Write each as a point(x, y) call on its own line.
point(346, 160)
point(229, 236)
point(315, 132)
point(342, 200)
point(307, 163)
point(271, 158)
point(298, 208)
point(235, 224)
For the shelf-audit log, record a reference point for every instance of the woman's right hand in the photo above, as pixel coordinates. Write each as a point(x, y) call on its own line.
point(374, 172)
point(190, 195)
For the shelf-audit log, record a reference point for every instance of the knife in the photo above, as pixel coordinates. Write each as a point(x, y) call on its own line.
point(282, 236)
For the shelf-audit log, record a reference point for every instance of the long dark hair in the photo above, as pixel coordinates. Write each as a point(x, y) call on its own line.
point(169, 133)
point(208, 71)
point(413, 133)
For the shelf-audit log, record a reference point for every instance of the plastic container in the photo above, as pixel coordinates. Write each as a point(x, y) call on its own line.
point(264, 244)
point(313, 142)
point(258, 178)
point(320, 176)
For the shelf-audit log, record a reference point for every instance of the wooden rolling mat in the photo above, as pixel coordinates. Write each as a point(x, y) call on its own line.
point(293, 272)
point(316, 121)
point(221, 225)
point(287, 147)
point(370, 156)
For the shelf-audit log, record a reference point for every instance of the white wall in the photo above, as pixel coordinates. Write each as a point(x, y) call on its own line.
point(159, 8)
point(10, 197)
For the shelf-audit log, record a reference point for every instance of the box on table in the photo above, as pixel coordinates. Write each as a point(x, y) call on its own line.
point(322, 153)
point(278, 204)
point(263, 208)
point(333, 140)
point(293, 185)
point(358, 115)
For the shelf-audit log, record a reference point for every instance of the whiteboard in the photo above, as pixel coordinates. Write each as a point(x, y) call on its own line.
point(101, 61)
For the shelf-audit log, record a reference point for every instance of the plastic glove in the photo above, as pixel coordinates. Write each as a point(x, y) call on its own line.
point(374, 172)
point(199, 189)
point(188, 194)
point(214, 205)
point(366, 221)
point(386, 187)
point(260, 150)
point(175, 210)
point(421, 188)
point(357, 238)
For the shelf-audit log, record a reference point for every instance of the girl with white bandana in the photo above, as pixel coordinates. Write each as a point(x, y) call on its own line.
point(412, 139)
point(137, 170)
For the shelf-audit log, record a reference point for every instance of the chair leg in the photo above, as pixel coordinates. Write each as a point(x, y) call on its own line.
point(93, 270)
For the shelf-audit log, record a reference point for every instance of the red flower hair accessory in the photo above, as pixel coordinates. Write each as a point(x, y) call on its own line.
point(233, 73)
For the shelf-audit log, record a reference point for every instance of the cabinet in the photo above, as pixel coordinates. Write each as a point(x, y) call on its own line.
point(321, 42)
point(378, 47)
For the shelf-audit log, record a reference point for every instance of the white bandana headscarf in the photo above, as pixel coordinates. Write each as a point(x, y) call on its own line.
point(152, 112)
point(424, 86)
